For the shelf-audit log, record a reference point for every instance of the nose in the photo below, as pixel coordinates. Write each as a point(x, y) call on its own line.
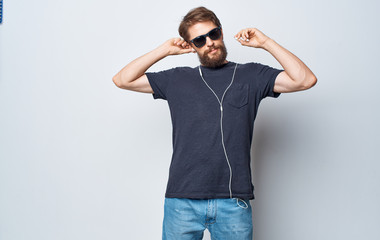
point(209, 42)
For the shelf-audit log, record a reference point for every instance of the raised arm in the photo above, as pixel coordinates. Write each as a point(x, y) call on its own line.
point(132, 76)
point(296, 75)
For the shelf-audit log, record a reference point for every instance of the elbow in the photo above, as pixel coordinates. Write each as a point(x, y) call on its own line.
point(117, 81)
point(309, 83)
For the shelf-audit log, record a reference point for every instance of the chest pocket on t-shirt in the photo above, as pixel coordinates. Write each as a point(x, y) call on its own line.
point(237, 95)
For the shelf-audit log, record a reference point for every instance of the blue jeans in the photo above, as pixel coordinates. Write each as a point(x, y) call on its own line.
point(225, 218)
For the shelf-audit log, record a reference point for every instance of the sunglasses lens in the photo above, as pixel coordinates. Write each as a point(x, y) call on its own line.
point(199, 41)
point(215, 34)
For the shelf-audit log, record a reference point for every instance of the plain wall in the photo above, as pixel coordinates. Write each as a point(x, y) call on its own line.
point(83, 159)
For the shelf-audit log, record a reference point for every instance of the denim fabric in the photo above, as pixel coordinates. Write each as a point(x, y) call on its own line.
point(225, 218)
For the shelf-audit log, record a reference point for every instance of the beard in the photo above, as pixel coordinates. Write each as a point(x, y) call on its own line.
point(215, 62)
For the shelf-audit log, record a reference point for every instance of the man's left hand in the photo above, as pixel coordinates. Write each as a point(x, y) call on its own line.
point(251, 37)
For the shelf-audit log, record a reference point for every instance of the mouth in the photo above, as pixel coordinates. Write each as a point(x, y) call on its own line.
point(214, 50)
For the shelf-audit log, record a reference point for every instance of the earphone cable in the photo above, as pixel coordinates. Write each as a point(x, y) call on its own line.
point(221, 120)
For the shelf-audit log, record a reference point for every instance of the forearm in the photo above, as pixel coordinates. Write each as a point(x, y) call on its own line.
point(139, 66)
point(292, 65)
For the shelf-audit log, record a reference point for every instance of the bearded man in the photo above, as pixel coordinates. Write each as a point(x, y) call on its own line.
point(213, 107)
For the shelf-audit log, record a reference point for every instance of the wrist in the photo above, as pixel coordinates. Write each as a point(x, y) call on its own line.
point(162, 51)
point(267, 44)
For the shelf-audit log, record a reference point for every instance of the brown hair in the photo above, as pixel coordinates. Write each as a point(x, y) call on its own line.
point(195, 15)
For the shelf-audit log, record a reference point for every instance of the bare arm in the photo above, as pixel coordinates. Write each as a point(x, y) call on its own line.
point(132, 76)
point(296, 75)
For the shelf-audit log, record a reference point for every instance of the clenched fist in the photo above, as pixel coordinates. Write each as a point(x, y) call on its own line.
point(251, 37)
point(175, 46)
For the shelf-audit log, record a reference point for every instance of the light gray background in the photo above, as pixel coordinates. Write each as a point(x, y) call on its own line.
point(83, 159)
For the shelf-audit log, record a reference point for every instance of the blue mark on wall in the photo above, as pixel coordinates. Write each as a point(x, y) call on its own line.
point(1, 11)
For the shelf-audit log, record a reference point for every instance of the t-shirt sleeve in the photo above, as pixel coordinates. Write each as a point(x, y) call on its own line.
point(266, 77)
point(160, 82)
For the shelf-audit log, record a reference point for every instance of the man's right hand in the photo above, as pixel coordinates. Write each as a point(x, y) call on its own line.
point(176, 46)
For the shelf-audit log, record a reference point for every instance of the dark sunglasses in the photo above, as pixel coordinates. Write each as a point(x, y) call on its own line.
point(201, 40)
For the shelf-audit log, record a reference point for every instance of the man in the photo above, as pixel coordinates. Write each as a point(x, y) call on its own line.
point(213, 108)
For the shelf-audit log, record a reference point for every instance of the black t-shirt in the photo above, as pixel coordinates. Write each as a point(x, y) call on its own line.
point(199, 168)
